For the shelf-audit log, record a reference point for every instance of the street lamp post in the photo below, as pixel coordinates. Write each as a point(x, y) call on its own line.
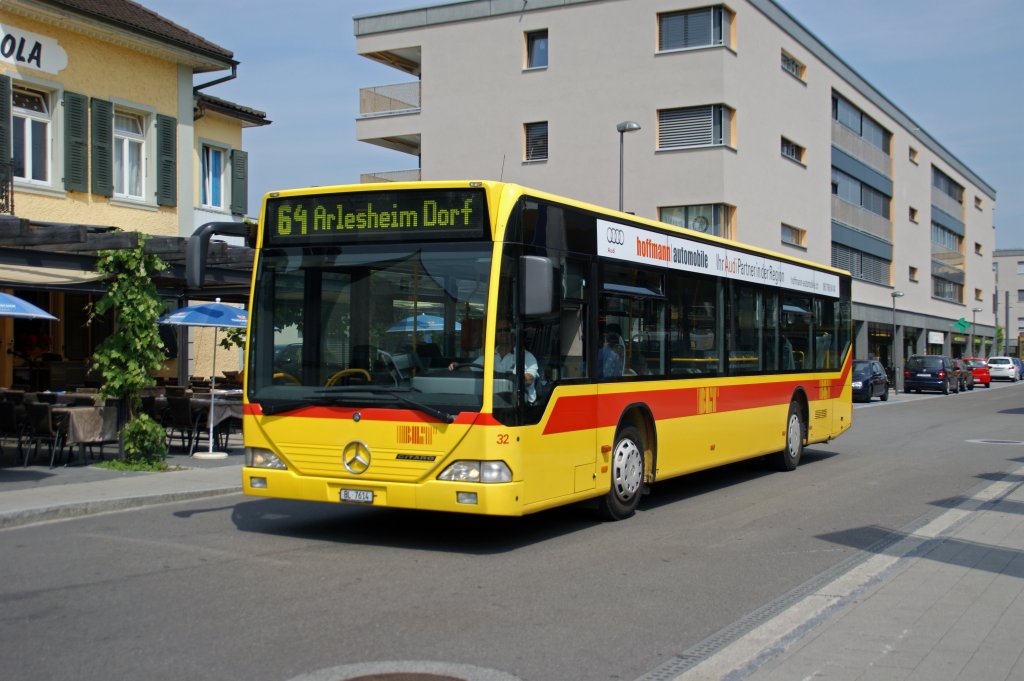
point(974, 314)
point(623, 128)
point(895, 368)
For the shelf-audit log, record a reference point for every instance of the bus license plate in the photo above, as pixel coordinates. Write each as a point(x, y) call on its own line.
point(357, 496)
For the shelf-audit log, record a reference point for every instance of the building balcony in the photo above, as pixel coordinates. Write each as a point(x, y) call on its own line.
point(862, 150)
point(861, 219)
point(392, 176)
point(947, 204)
point(389, 100)
point(947, 258)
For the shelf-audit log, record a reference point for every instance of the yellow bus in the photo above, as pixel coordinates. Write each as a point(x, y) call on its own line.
point(481, 347)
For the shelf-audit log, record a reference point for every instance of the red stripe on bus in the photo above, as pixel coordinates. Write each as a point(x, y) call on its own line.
point(596, 411)
point(398, 415)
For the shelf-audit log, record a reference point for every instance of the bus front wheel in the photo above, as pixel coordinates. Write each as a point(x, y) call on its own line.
point(627, 468)
point(789, 458)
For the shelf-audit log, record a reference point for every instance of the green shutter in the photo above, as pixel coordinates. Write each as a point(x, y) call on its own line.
point(102, 147)
point(5, 120)
point(239, 182)
point(166, 160)
point(76, 142)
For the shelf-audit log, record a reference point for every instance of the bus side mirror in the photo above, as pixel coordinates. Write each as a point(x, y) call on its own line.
point(537, 285)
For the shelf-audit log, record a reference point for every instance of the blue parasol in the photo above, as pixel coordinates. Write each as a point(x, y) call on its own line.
point(423, 323)
point(13, 306)
point(218, 315)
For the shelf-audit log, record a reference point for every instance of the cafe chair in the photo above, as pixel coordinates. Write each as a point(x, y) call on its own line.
point(47, 398)
point(175, 390)
point(10, 428)
point(83, 401)
point(180, 421)
point(41, 428)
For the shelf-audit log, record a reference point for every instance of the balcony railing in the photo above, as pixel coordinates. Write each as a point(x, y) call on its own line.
point(947, 257)
point(947, 203)
point(389, 100)
point(391, 176)
point(860, 148)
point(6, 189)
point(862, 219)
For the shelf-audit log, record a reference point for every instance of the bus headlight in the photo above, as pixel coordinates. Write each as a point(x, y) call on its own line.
point(262, 458)
point(477, 471)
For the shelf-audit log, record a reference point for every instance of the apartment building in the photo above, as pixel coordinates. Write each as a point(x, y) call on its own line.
point(730, 119)
point(108, 130)
point(1008, 302)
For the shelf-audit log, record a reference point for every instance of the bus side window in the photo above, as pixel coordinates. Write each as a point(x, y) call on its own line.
point(573, 364)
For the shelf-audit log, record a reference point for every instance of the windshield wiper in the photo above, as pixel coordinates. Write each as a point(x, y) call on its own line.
point(330, 397)
point(271, 407)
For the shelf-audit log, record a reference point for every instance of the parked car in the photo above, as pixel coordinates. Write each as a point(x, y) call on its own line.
point(964, 373)
point(1020, 367)
point(930, 372)
point(869, 380)
point(1002, 367)
point(979, 368)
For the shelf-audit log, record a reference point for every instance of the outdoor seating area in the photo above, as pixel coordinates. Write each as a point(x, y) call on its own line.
point(54, 428)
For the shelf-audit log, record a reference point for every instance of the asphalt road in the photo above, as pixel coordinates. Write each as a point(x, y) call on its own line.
point(254, 589)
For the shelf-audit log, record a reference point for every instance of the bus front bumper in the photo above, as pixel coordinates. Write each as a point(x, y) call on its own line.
point(433, 495)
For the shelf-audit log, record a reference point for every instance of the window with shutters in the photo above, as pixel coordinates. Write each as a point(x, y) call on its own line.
point(860, 264)
point(536, 137)
point(213, 160)
point(31, 128)
point(704, 27)
point(696, 126)
point(129, 155)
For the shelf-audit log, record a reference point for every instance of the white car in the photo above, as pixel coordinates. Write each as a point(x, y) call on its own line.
point(1002, 367)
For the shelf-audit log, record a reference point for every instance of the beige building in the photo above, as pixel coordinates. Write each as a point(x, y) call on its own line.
point(742, 123)
point(108, 130)
point(1008, 264)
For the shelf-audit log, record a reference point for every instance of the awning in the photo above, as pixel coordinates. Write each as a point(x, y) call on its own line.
point(31, 275)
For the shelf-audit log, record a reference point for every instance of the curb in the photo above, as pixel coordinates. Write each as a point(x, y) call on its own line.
point(29, 516)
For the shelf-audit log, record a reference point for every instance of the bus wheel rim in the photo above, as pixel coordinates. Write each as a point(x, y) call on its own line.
point(627, 470)
point(793, 436)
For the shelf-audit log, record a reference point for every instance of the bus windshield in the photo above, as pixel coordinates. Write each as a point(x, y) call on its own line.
point(369, 326)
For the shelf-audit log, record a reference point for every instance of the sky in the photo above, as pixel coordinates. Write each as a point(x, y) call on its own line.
point(953, 67)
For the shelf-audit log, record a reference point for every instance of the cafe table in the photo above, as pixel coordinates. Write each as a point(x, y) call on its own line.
point(85, 425)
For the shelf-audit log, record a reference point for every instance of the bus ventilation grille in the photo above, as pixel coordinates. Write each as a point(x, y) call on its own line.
point(821, 413)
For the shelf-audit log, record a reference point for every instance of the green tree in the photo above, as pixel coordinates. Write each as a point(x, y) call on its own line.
point(134, 350)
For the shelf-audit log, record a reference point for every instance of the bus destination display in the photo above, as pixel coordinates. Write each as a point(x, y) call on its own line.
point(375, 216)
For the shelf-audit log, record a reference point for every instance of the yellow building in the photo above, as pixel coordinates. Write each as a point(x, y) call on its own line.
point(106, 124)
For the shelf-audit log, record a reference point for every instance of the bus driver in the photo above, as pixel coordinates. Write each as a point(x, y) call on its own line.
point(505, 360)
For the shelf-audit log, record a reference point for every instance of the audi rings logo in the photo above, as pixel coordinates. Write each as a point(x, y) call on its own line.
point(356, 457)
point(615, 236)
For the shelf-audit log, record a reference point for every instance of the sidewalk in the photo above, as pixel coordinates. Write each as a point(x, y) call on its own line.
point(942, 601)
point(36, 493)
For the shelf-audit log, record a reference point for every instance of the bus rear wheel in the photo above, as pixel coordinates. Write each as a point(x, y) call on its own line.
point(627, 485)
point(789, 458)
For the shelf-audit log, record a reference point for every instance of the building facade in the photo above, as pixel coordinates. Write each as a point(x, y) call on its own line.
point(106, 123)
point(1008, 264)
point(740, 123)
